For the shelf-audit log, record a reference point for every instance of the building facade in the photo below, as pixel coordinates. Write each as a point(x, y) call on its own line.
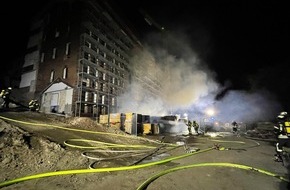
point(78, 59)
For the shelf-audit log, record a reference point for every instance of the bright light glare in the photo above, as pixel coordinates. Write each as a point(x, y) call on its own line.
point(210, 112)
point(212, 134)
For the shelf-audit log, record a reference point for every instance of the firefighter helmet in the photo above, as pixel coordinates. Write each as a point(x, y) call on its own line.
point(283, 113)
point(9, 88)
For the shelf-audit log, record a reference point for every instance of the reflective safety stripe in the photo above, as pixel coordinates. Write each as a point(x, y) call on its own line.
point(282, 136)
point(277, 148)
point(287, 124)
point(288, 130)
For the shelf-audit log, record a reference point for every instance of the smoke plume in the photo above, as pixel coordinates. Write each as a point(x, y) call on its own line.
point(188, 86)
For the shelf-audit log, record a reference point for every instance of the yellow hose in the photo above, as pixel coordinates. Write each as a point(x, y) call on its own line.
point(145, 184)
point(102, 144)
point(82, 171)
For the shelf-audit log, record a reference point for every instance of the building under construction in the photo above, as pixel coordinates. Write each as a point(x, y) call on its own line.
point(78, 59)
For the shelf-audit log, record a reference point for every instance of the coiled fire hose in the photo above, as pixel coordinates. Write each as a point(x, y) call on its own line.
point(145, 184)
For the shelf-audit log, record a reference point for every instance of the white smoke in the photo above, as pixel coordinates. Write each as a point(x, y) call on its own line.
point(137, 100)
point(247, 107)
point(188, 86)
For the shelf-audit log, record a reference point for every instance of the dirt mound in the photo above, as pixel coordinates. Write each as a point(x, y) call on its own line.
point(25, 153)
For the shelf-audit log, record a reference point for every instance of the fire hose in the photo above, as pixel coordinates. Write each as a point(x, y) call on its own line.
point(122, 168)
point(98, 170)
point(145, 184)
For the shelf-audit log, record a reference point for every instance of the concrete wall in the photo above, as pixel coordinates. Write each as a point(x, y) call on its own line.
point(27, 79)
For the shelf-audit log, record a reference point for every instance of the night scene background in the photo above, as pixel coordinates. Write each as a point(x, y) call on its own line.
point(242, 46)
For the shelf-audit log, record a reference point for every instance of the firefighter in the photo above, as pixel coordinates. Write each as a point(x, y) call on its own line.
point(189, 125)
point(282, 130)
point(235, 127)
point(33, 105)
point(195, 126)
point(5, 95)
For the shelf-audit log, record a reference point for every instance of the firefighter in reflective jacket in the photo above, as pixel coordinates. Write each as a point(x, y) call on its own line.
point(282, 130)
point(33, 105)
point(189, 125)
point(5, 95)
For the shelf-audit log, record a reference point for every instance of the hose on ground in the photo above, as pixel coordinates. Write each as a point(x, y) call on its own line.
point(145, 184)
point(82, 171)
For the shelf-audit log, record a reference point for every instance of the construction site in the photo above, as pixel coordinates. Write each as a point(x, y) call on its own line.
point(51, 151)
point(113, 112)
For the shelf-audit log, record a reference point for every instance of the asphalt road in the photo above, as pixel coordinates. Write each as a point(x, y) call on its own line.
point(242, 151)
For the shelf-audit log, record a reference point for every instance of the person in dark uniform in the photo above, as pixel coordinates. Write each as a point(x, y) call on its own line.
point(235, 127)
point(189, 125)
point(5, 95)
point(195, 126)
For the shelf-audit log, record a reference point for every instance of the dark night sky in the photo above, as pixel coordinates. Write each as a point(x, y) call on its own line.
point(246, 41)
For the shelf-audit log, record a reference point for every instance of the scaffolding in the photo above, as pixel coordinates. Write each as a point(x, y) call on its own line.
point(102, 73)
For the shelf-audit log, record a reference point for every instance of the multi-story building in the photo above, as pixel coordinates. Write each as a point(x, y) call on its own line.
point(78, 59)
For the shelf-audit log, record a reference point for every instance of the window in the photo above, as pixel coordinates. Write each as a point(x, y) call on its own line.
point(86, 109)
point(95, 98)
point(86, 96)
point(88, 82)
point(64, 74)
point(103, 99)
point(88, 44)
point(53, 53)
point(56, 33)
point(32, 49)
point(27, 69)
point(67, 49)
point(113, 101)
point(87, 56)
point(42, 58)
point(88, 69)
point(51, 76)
